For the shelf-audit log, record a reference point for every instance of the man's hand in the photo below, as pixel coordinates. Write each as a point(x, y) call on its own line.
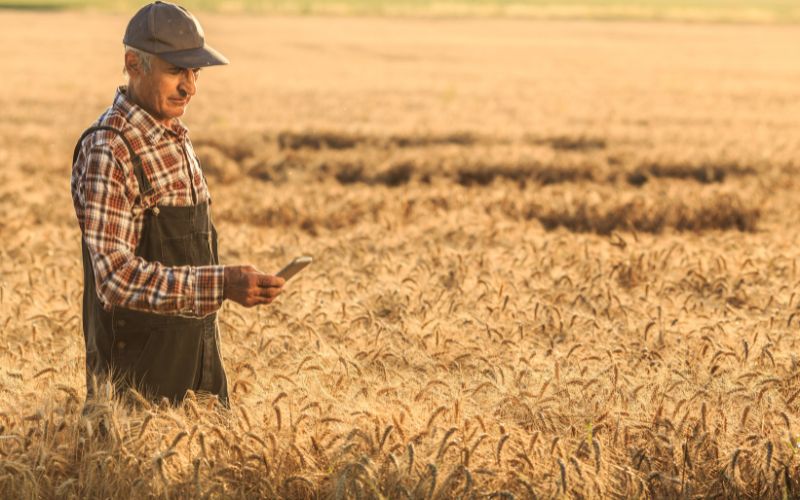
point(249, 287)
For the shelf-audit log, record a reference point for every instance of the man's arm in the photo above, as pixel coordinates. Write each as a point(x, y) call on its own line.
point(123, 279)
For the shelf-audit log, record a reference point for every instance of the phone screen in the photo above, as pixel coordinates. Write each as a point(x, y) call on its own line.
point(294, 267)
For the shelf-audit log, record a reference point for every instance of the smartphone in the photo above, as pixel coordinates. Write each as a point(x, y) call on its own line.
point(294, 267)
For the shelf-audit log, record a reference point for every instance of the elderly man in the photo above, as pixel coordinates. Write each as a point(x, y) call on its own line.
point(152, 279)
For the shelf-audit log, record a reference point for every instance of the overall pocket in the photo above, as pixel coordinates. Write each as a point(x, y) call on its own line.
point(130, 339)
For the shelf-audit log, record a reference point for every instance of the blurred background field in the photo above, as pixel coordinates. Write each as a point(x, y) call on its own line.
point(553, 258)
point(687, 10)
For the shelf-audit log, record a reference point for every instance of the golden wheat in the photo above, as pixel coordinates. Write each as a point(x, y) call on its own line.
point(551, 259)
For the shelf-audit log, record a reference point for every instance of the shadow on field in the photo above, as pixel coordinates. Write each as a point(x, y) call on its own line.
point(522, 172)
point(725, 212)
point(601, 189)
point(342, 140)
point(464, 158)
point(569, 143)
point(705, 173)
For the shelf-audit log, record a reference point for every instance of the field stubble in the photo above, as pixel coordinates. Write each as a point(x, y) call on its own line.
point(575, 277)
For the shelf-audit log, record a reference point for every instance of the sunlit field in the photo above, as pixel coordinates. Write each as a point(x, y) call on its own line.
point(552, 259)
point(749, 11)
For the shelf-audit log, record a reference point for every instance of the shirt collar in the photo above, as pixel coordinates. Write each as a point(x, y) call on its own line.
point(143, 121)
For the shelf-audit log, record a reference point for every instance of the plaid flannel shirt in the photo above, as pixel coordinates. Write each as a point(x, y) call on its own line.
point(110, 212)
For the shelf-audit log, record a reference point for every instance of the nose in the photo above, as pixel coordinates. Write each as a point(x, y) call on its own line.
point(188, 83)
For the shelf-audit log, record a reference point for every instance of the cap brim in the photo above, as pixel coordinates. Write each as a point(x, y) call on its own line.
point(195, 58)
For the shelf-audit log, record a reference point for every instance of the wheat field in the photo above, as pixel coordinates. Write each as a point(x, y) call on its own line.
point(552, 259)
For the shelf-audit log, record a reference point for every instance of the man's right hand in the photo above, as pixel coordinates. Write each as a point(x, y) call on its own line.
point(249, 287)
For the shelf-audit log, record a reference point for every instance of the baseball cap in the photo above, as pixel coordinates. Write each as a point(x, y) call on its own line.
point(173, 34)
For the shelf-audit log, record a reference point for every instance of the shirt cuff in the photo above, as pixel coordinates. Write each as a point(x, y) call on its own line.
point(208, 289)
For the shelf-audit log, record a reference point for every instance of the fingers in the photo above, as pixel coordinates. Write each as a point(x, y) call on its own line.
point(270, 292)
point(250, 287)
point(258, 299)
point(267, 281)
point(261, 296)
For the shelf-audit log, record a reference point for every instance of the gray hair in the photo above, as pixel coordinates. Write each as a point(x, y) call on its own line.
point(144, 58)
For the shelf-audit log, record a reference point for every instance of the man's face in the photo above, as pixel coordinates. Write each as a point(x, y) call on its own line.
point(165, 90)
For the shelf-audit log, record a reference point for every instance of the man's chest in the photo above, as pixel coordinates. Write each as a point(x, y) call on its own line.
point(174, 176)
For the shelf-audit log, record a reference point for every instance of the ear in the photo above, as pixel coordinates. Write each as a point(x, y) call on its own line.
point(132, 64)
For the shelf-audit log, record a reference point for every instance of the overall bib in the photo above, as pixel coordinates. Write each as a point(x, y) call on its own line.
point(161, 356)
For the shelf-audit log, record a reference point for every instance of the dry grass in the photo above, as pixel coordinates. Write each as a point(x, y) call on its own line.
point(570, 278)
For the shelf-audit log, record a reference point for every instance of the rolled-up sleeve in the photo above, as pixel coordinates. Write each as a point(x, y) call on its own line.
point(121, 278)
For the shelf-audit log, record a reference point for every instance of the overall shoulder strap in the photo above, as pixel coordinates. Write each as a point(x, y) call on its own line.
point(138, 171)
